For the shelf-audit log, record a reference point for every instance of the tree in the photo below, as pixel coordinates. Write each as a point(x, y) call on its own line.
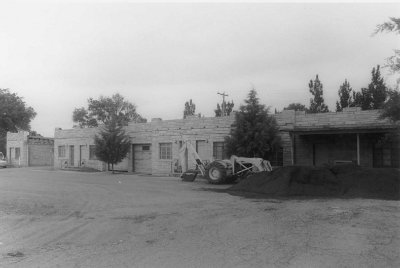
point(80, 116)
point(362, 99)
point(345, 96)
point(317, 104)
point(391, 26)
point(296, 107)
point(15, 115)
point(112, 144)
point(190, 109)
point(391, 108)
point(255, 132)
point(34, 133)
point(228, 108)
point(107, 109)
point(375, 95)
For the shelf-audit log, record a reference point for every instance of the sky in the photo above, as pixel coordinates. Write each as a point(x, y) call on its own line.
point(160, 55)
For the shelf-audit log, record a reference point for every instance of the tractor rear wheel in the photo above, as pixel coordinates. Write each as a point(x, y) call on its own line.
point(216, 173)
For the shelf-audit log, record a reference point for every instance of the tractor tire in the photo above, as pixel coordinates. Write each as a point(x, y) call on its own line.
point(216, 173)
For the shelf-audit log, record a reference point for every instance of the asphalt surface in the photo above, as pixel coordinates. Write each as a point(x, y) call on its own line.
point(74, 219)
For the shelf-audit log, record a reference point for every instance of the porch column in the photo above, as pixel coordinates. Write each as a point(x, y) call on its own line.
point(358, 149)
point(292, 140)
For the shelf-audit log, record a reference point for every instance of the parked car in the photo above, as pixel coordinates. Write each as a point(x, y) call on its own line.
point(3, 162)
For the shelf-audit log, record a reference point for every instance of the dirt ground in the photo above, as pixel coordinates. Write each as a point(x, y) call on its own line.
point(73, 219)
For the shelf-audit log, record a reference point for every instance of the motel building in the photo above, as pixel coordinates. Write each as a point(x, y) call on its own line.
point(351, 136)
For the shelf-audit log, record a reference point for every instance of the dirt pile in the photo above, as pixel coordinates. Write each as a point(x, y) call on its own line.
point(339, 181)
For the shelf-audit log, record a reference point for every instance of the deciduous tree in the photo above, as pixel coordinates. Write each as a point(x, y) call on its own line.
point(391, 108)
point(106, 109)
point(220, 108)
point(345, 93)
point(296, 106)
point(317, 104)
point(15, 115)
point(190, 109)
point(375, 95)
point(391, 26)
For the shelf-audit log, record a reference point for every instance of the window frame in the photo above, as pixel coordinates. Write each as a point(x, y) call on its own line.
point(61, 151)
point(92, 152)
point(216, 145)
point(165, 151)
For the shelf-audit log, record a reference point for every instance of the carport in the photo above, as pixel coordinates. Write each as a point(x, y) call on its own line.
point(370, 146)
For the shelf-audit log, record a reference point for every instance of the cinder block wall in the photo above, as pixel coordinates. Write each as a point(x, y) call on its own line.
point(17, 140)
point(80, 138)
point(192, 129)
point(215, 129)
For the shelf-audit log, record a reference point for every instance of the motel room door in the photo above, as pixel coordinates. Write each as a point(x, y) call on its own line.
point(81, 150)
point(71, 155)
point(142, 158)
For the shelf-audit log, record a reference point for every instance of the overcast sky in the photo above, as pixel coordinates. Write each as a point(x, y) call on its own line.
point(159, 55)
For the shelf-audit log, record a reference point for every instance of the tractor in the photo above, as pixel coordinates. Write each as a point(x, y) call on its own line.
point(223, 171)
point(228, 170)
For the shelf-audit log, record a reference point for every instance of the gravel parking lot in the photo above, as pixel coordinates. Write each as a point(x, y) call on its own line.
point(74, 219)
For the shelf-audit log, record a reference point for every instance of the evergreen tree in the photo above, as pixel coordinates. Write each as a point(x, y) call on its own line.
point(190, 109)
point(345, 97)
point(255, 132)
point(317, 104)
point(112, 144)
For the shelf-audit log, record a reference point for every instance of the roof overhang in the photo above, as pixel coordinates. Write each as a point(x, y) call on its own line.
point(344, 130)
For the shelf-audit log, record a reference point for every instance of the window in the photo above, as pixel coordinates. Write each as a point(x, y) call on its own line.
point(219, 150)
point(146, 148)
point(61, 151)
point(92, 152)
point(165, 150)
point(17, 153)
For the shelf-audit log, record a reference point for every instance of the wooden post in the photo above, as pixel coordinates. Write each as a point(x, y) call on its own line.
point(292, 137)
point(358, 149)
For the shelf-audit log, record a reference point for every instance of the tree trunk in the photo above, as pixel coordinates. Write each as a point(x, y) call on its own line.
point(112, 166)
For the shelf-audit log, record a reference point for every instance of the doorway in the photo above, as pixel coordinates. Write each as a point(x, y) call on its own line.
point(71, 155)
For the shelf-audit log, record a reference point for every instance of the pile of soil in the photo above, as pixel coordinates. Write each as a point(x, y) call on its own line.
point(347, 181)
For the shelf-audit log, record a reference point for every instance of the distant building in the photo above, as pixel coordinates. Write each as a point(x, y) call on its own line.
point(307, 139)
point(24, 150)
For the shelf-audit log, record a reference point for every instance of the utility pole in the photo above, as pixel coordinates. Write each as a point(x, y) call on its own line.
point(223, 102)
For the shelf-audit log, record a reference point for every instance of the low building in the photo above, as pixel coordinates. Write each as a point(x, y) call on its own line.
point(307, 139)
point(155, 145)
point(24, 150)
point(356, 136)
